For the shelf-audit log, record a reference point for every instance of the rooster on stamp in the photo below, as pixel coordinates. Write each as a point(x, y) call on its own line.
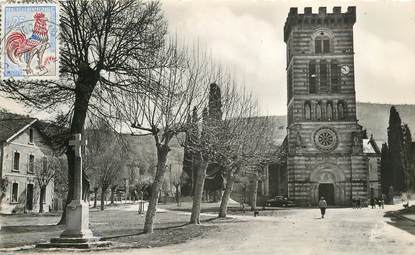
point(30, 45)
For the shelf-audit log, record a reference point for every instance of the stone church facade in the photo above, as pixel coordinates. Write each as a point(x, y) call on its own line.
point(324, 140)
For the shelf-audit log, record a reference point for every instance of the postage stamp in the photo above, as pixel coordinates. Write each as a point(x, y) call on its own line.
point(30, 47)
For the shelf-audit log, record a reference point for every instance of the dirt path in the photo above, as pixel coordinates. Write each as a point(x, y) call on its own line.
point(343, 231)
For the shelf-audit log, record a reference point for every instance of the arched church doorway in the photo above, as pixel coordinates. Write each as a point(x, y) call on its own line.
point(326, 190)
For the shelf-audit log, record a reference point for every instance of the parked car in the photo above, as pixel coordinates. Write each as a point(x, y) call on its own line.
point(280, 201)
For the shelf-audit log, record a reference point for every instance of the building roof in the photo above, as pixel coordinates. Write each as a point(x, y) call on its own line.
point(11, 125)
point(372, 146)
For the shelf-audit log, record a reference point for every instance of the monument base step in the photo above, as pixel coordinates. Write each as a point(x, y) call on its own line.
point(74, 243)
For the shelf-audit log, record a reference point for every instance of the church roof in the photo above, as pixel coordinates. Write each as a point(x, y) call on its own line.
point(372, 146)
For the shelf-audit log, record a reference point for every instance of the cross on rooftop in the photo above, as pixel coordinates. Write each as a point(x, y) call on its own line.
point(77, 142)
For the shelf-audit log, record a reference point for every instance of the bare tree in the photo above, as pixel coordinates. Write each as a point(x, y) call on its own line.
point(45, 168)
point(104, 157)
point(179, 81)
point(102, 43)
point(4, 183)
point(176, 179)
point(210, 145)
point(242, 141)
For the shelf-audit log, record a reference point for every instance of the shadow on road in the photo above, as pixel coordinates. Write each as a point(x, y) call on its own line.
point(397, 220)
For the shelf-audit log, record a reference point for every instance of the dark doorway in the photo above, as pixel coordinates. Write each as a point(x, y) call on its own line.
point(326, 190)
point(29, 197)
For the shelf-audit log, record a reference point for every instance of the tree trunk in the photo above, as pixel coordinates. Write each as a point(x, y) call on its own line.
point(226, 195)
point(103, 199)
point(197, 198)
point(84, 86)
point(162, 151)
point(42, 195)
point(95, 197)
point(177, 195)
point(254, 195)
point(112, 195)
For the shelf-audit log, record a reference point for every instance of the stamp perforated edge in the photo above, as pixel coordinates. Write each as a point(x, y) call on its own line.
point(58, 41)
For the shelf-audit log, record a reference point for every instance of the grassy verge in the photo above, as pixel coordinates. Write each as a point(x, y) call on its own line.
point(123, 228)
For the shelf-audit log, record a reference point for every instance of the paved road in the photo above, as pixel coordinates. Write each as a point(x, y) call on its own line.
point(343, 231)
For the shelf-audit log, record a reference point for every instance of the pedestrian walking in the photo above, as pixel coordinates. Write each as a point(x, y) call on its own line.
point(379, 202)
point(382, 202)
point(372, 203)
point(323, 205)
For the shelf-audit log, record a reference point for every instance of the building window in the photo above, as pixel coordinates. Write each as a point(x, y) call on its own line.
point(329, 111)
point(322, 44)
point(335, 77)
point(31, 163)
point(16, 161)
point(307, 111)
point(323, 76)
point(31, 135)
point(341, 110)
point(15, 192)
point(312, 77)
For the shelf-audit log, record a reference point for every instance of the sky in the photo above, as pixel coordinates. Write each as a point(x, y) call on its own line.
point(246, 36)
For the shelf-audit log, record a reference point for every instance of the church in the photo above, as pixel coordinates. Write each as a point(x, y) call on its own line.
point(324, 145)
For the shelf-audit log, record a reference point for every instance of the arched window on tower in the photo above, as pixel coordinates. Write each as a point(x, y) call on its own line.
point(307, 111)
point(335, 77)
point(318, 111)
point(323, 77)
point(329, 111)
point(341, 110)
point(312, 77)
point(322, 44)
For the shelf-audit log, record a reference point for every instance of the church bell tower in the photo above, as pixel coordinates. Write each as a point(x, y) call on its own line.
point(324, 140)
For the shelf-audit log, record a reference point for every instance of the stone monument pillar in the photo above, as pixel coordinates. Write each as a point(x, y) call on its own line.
point(77, 211)
point(77, 233)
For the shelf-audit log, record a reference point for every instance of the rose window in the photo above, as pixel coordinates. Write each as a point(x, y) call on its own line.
point(325, 139)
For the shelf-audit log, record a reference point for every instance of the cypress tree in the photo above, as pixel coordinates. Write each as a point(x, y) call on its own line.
point(395, 139)
point(214, 179)
point(215, 102)
point(407, 157)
